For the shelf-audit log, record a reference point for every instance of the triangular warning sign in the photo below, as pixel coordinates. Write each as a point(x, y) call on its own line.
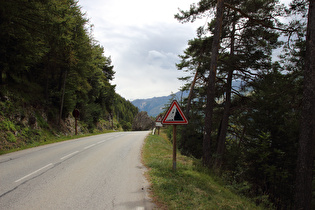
point(174, 115)
point(158, 119)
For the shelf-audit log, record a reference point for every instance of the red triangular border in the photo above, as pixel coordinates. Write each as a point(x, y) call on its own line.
point(159, 119)
point(174, 103)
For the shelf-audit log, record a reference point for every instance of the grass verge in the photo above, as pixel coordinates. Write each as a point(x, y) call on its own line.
point(50, 139)
point(191, 187)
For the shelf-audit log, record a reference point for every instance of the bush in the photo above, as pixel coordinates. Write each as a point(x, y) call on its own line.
point(7, 125)
point(10, 137)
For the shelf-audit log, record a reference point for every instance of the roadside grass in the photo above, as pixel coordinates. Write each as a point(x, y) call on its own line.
point(48, 138)
point(192, 186)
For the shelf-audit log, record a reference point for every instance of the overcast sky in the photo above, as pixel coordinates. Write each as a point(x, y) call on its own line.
point(144, 41)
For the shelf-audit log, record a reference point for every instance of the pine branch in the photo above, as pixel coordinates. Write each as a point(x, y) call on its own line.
point(261, 22)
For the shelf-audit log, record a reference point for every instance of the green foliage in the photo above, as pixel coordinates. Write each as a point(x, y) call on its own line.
point(48, 57)
point(270, 142)
point(124, 111)
point(31, 135)
point(6, 107)
point(41, 121)
point(50, 61)
point(262, 133)
point(6, 125)
point(126, 126)
point(10, 137)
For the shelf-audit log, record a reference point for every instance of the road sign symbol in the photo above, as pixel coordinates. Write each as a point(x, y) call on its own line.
point(158, 119)
point(174, 115)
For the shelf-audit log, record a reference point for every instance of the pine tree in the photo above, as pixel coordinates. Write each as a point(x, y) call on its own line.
point(305, 162)
point(253, 41)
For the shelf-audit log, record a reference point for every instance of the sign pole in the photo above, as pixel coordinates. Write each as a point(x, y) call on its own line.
point(174, 147)
point(174, 116)
point(158, 123)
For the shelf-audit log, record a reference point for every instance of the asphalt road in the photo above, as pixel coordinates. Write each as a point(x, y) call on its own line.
point(98, 172)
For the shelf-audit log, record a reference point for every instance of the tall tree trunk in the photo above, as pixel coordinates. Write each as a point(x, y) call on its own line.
point(62, 97)
point(207, 140)
point(191, 91)
point(185, 137)
point(227, 106)
point(224, 124)
point(304, 176)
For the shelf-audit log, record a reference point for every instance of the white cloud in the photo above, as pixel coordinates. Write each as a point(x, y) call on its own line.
point(144, 41)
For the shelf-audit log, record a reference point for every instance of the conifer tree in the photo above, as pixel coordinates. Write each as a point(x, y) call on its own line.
point(305, 162)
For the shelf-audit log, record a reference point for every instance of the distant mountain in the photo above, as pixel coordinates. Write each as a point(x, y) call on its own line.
point(154, 106)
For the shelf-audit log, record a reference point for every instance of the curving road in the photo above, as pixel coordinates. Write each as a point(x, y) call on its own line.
point(98, 172)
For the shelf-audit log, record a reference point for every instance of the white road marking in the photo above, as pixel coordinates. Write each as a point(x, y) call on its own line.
point(64, 157)
point(89, 146)
point(69, 155)
point(24, 177)
point(101, 142)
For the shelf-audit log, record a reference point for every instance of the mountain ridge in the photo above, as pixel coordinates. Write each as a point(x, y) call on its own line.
point(154, 106)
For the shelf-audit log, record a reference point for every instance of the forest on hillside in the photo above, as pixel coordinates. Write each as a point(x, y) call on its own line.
point(259, 137)
point(50, 64)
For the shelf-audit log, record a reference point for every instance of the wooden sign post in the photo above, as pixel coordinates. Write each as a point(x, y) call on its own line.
point(174, 116)
point(174, 147)
point(158, 123)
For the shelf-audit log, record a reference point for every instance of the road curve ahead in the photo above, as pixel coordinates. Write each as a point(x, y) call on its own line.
point(98, 172)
